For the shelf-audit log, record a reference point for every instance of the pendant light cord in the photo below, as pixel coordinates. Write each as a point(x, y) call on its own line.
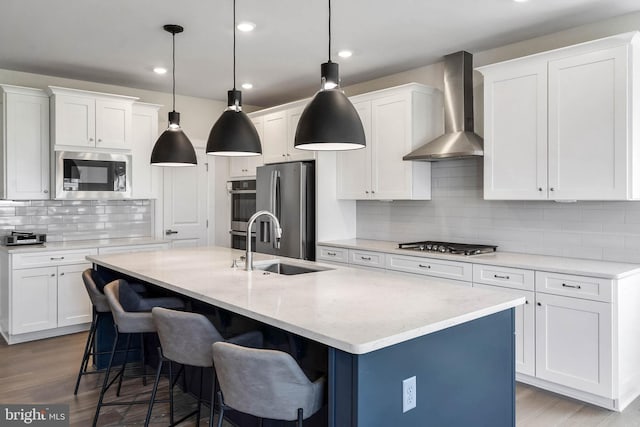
point(174, 71)
point(234, 44)
point(329, 30)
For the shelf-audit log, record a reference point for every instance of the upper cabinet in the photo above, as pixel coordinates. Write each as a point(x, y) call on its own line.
point(245, 166)
point(396, 121)
point(146, 179)
point(84, 119)
point(561, 125)
point(279, 130)
point(24, 130)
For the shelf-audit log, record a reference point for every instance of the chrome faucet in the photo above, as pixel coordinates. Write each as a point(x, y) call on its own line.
point(249, 257)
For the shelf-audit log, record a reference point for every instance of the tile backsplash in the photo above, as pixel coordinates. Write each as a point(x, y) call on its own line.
point(65, 220)
point(458, 213)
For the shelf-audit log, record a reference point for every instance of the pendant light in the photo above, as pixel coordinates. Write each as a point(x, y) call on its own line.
point(329, 121)
point(173, 148)
point(233, 134)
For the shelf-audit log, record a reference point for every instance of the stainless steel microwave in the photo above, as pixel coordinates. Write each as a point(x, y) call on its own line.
point(92, 176)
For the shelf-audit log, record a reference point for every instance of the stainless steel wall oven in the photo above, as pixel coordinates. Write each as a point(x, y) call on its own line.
point(243, 205)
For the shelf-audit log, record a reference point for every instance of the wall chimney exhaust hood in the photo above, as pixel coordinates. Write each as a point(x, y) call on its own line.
point(459, 140)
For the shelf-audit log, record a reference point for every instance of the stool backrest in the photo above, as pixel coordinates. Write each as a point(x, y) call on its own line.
point(185, 337)
point(127, 322)
point(98, 299)
point(265, 383)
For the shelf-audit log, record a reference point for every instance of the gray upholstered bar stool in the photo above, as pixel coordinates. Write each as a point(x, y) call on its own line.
point(264, 383)
point(100, 309)
point(127, 323)
point(186, 338)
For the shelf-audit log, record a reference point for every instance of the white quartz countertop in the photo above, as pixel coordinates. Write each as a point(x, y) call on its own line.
point(577, 266)
point(349, 309)
point(81, 244)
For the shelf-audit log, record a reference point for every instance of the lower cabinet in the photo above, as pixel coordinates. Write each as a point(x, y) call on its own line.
point(34, 300)
point(74, 305)
point(574, 343)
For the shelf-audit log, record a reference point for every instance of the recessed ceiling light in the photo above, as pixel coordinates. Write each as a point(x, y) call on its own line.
point(247, 86)
point(160, 70)
point(345, 54)
point(520, 1)
point(246, 26)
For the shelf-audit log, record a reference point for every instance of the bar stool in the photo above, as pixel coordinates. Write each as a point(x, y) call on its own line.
point(186, 338)
point(127, 323)
point(264, 383)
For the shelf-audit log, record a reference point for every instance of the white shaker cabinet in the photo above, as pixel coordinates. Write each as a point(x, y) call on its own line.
point(396, 120)
point(24, 130)
point(561, 125)
point(244, 166)
point(34, 300)
point(83, 119)
point(279, 131)
point(74, 305)
point(146, 179)
point(294, 154)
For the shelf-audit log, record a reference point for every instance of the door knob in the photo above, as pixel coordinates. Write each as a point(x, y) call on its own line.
point(169, 232)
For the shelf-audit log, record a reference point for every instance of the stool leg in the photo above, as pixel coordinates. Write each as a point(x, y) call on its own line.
point(106, 378)
point(144, 360)
point(221, 404)
point(124, 364)
point(299, 417)
point(171, 421)
point(199, 397)
point(155, 389)
point(213, 399)
point(85, 356)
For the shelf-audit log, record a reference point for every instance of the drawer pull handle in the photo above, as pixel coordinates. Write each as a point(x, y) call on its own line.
point(564, 285)
point(332, 253)
point(424, 266)
point(497, 276)
point(53, 258)
point(366, 258)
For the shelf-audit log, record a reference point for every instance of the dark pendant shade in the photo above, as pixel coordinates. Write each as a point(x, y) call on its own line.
point(234, 135)
point(173, 148)
point(330, 122)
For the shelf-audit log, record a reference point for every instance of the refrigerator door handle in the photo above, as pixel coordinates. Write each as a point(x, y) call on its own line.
point(278, 208)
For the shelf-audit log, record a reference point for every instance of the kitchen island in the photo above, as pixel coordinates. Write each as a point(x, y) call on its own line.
point(378, 329)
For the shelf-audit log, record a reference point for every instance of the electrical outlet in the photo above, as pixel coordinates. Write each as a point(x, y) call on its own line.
point(408, 394)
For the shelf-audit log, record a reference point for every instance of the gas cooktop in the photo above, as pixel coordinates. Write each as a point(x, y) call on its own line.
point(448, 247)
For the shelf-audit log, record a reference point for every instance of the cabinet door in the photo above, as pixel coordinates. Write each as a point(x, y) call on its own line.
point(33, 300)
point(573, 343)
point(354, 166)
point(146, 178)
point(75, 121)
point(588, 126)
point(74, 305)
point(294, 154)
point(113, 124)
point(525, 329)
point(238, 166)
point(515, 135)
point(391, 140)
point(274, 143)
point(27, 147)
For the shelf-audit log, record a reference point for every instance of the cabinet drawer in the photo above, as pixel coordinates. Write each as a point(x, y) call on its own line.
point(45, 259)
point(366, 258)
point(504, 276)
point(132, 248)
point(329, 253)
point(574, 286)
point(431, 267)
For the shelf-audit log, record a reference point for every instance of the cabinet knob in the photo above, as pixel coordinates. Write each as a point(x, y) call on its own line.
point(62, 274)
point(99, 140)
point(526, 301)
point(90, 139)
point(53, 275)
point(45, 191)
point(366, 192)
point(373, 192)
point(539, 188)
point(551, 189)
point(288, 154)
point(284, 155)
point(539, 304)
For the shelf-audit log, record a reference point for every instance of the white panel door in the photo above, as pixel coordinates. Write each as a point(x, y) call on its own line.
point(27, 145)
point(274, 142)
point(145, 181)
point(113, 124)
point(515, 136)
point(75, 121)
point(524, 329)
point(185, 204)
point(391, 127)
point(588, 126)
point(293, 154)
point(74, 305)
point(354, 166)
point(573, 343)
point(33, 300)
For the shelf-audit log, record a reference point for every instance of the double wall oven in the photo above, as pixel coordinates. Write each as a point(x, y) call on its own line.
point(243, 205)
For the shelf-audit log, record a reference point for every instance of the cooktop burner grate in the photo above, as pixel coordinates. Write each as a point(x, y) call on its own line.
point(448, 247)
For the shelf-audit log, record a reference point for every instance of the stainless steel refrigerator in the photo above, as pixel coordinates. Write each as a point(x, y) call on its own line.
point(288, 190)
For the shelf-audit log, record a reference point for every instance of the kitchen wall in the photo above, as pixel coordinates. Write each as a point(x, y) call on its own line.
point(457, 211)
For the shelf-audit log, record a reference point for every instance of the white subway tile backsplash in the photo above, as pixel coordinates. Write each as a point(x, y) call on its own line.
point(458, 212)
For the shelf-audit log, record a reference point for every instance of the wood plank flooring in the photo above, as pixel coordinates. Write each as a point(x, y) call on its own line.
point(45, 371)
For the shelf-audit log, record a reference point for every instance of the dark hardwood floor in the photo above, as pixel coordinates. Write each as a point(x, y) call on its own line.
point(45, 371)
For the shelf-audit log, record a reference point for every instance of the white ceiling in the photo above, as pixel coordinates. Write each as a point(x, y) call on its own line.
point(120, 41)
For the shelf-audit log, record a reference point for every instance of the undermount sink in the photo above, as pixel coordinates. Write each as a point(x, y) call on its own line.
point(287, 269)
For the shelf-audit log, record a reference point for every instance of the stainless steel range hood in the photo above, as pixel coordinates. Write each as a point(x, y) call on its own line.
point(459, 140)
